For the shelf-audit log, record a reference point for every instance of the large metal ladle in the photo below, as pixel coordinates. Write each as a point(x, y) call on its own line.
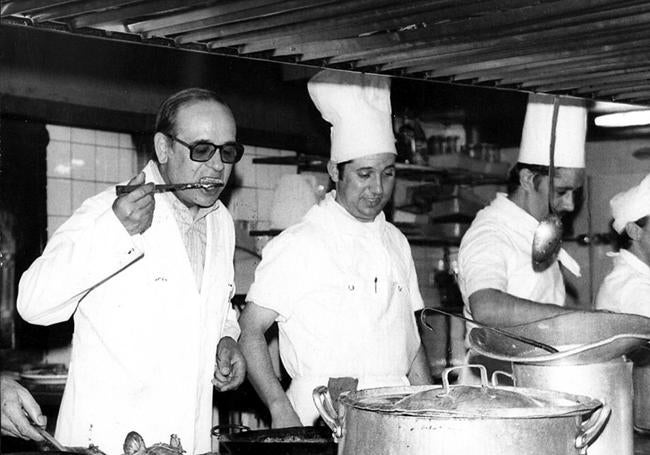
point(547, 239)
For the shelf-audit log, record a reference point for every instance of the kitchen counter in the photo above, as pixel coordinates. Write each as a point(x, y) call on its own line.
point(49, 397)
point(9, 445)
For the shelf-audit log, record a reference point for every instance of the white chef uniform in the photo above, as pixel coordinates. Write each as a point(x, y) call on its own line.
point(345, 292)
point(495, 253)
point(627, 287)
point(144, 343)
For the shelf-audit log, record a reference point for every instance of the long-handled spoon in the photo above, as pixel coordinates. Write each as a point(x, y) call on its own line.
point(505, 333)
point(47, 436)
point(547, 239)
point(159, 188)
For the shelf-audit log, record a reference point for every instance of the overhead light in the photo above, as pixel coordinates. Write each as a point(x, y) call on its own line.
point(620, 119)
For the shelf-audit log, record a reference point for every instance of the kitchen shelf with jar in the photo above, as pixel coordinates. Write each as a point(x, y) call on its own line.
point(455, 169)
point(438, 217)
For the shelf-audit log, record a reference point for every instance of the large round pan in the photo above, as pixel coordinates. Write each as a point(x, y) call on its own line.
point(582, 337)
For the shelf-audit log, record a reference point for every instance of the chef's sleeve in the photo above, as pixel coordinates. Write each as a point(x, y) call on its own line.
point(89, 248)
point(280, 274)
point(231, 324)
point(482, 261)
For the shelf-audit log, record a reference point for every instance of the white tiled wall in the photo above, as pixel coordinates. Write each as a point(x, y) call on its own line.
point(253, 184)
point(80, 163)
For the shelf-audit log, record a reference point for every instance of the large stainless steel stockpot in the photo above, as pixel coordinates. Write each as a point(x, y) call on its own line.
point(609, 382)
point(458, 420)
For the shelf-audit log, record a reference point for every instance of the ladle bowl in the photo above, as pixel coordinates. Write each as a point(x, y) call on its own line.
point(547, 242)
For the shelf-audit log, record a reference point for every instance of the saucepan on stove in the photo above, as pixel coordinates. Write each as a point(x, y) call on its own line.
point(459, 420)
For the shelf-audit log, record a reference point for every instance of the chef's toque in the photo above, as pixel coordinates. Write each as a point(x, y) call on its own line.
point(631, 205)
point(570, 132)
point(358, 108)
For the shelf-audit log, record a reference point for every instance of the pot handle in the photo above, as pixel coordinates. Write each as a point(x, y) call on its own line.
point(496, 374)
point(481, 368)
point(590, 429)
point(323, 403)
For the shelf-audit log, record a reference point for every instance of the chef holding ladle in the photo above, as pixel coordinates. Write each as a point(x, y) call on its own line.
point(504, 281)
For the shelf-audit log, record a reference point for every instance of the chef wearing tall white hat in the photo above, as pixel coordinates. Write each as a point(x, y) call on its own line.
point(498, 281)
point(627, 287)
point(341, 283)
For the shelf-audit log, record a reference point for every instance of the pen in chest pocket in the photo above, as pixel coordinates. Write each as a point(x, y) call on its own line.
point(375, 285)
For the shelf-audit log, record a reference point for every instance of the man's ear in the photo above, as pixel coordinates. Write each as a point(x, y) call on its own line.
point(633, 230)
point(527, 180)
point(162, 147)
point(333, 171)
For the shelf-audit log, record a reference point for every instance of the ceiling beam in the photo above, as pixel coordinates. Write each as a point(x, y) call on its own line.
point(29, 6)
point(507, 20)
point(526, 52)
point(121, 15)
point(506, 40)
point(165, 25)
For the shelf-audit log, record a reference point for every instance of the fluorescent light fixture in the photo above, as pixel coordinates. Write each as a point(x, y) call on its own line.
point(620, 119)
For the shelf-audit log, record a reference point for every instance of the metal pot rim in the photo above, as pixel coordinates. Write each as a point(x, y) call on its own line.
point(566, 404)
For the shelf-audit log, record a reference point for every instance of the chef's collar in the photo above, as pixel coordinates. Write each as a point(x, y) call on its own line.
point(524, 220)
point(632, 260)
point(349, 223)
point(176, 203)
point(527, 224)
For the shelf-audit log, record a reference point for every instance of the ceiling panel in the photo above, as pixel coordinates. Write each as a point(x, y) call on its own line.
point(597, 49)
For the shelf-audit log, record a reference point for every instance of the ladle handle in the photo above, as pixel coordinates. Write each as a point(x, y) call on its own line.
point(551, 152)
point(158, 188)
point(505, 333)
point(47, 436)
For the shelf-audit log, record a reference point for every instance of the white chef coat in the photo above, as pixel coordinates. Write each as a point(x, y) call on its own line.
point(345, 292)
point(496, 253)
point(144, 342)
point(626, 289)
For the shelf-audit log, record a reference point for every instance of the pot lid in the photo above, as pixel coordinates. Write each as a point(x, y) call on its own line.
point(464, 401)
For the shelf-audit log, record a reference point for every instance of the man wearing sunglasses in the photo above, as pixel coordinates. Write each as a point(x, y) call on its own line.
point(148, 276)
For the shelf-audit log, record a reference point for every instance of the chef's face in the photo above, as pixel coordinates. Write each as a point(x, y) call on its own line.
point(366, 185)
point(567, 182)
point(197, 121)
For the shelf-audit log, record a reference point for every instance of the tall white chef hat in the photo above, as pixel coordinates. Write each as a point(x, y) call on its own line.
point(358, 107)
point(570, 132)
point(631, 205)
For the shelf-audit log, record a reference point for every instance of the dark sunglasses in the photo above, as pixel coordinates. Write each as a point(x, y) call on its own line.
point(202, 151)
